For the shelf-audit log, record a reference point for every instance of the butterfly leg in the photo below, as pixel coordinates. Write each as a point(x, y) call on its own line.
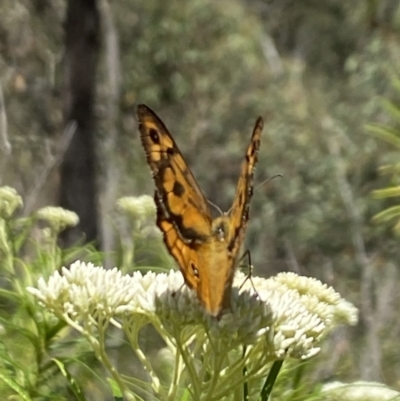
point(179, 290)
point(250, 268)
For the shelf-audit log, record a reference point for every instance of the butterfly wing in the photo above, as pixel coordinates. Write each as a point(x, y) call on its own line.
point(180, 201)
point(204, 249)
point(205, 269)
point(239, 213)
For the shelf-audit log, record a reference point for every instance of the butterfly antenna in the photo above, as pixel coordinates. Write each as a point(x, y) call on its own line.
point(216, 207)
point(257, 188)
point(268, 180)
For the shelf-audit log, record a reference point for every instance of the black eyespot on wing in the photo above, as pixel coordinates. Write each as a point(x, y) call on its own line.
point(195, 270)
point(170, 151)
point(178, 189)
point(154, 136)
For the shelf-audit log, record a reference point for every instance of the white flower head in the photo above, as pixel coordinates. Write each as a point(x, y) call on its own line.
point(303, 308)
point(58, 218)
point(84, 290)
point(9, 201)
point(359, 391)
point(140, 207)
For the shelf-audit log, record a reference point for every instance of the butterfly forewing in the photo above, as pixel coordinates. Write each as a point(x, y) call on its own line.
point(184, 203)
point(239, 213)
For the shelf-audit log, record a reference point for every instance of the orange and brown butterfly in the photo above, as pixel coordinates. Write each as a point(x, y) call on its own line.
point(205, 249)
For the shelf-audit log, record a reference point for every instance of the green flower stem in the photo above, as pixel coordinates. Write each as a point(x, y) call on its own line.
point(178, 368)
point(235, 371)
point(53, 250)
point(265, 359)
point(5, 248)
point(218, 357)
point(200, 341)
point(128, 251)
point(198, 345)
point(103, 357)
point(131, 247)
point(188, 364)
point(133, 336)
point(296, 384)
point(163, 333)
point(99, 350)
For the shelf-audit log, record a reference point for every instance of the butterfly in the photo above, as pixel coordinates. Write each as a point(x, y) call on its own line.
point(206, 249)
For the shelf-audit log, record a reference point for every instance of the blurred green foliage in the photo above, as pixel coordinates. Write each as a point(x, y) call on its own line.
point(391, 135)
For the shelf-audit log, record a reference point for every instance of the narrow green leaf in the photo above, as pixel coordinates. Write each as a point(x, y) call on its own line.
point(389, 169)
point(245, 384)
point(16, 387)
point(115, 389)
point(387, 214)
point(72, 382)
point(270, 381)
point(186, 396)
point(386, 193)
point(385, 133)
point(392, 109)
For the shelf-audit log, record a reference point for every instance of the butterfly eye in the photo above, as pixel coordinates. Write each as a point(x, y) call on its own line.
point(195, 270)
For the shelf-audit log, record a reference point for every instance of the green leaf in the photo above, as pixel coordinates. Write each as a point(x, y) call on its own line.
point(387, 214)
point(16, 387)
point(389, 169)
point(271, 379)
point(186, 396)
point(386, 193)
point(392, 109)
point(115, 389)
point(73, 384)
point(387, 134)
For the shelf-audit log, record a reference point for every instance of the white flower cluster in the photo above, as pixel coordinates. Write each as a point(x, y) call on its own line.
point(137, 207)
point(81, 291)
point(9, 201)
point(278, 317)
point(359, 391)
point(303, 309)
point(58, 218)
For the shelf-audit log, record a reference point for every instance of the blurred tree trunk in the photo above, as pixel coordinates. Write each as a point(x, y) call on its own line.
point(110, 182)
point(78, 190)
point(370, 361)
